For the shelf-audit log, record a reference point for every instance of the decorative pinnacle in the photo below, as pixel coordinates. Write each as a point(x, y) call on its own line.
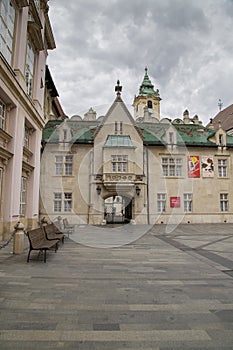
point(118, 88)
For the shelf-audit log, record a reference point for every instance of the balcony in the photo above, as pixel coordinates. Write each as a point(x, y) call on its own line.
point(121, 181)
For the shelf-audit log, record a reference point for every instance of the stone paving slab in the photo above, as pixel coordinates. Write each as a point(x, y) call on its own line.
point(162, 289)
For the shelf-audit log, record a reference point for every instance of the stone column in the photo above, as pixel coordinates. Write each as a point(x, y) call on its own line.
point(18, 241)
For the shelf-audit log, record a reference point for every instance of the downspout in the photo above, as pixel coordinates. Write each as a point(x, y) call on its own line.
point(147, 187)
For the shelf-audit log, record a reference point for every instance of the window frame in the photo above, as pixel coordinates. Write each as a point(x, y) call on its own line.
point(29, 68)
point(161, 202)
point(2, 115)
point(23, 196)
point(224, 202)
point(222, 168)
point(119, 163)
point(188, 202)
point(7, 22)
point(64, 165)
point(172, 166)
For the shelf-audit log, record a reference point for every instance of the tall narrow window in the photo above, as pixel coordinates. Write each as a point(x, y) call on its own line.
point(58, 165)
point(149, 104)
point(26, 137)
point(121, 128)
point(7, 21)
point(2, 115)
point(57, 203)
point(224, 201)
point(115, 127)
point(67, 201)
point(161, 202)
point(23, 196)
point(30, 58)
point(1, 174)
point(222, 167)
point(188, 202)
point(68, 165)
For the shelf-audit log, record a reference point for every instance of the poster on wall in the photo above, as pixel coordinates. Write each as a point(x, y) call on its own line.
point(174, 202)
point(207, 166)
point(194, 166)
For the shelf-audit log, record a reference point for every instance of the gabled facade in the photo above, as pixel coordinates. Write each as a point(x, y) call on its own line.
point(25, 39)
point(122, 168)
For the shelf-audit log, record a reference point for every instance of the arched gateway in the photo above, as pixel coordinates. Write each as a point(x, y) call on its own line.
point(118, 210)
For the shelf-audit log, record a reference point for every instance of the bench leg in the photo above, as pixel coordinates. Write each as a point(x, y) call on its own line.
point(29, 255)
point(44, 255)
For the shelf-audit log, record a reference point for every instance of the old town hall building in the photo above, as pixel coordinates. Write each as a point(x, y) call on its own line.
point(142, 169)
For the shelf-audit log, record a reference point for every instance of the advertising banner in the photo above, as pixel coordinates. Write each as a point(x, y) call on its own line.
point(207, 166)
point(194, 166)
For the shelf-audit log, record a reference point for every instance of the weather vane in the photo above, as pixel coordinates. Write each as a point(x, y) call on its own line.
point(220, 104)
point(118, 88)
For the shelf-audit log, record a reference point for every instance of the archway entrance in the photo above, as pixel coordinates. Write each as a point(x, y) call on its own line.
point(118, 210)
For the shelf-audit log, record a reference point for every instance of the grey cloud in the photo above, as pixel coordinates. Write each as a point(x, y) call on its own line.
point(183, 43)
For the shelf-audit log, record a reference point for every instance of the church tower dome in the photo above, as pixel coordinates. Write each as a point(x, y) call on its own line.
point(147, 103)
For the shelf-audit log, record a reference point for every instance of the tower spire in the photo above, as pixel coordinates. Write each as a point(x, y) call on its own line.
point(147, 87)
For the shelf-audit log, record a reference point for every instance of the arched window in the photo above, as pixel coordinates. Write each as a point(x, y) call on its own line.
point(149, 104)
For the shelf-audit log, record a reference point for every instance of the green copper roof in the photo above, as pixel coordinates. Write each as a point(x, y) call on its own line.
point(147, 88)
point(152, 134)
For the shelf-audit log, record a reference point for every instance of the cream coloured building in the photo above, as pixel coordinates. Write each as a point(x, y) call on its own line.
point(142, 169)
point(25, 38)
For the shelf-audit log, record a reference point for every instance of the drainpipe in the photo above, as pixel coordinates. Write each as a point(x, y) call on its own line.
point(147, 187)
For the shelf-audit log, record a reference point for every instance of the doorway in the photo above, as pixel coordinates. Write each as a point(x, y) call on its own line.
point(118, 210)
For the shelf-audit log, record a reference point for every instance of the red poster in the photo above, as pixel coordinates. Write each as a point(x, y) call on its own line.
point(194, 166)
point(175, 202)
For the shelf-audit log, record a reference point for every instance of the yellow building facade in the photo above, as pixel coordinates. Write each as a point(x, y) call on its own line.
point(141, 169)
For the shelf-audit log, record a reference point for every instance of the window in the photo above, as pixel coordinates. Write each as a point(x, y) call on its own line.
point(30, 58)
point(64, 165)
point(23, 196)
point(171, 138)
point(149, 104)
point(1, 174)
point(188, 202)
point(224, 201)
point(220, 139)
point(161, 202)
point(2, 115)
point(172, 166)
point(67, 202)
point(68, 165)
point(26, 137)
point(119, 163)
point(118, 141)
point(57, 202)
point(121, 128)
point(58, 165)
point(222, 167)
point(115, 127)
point(7, 21)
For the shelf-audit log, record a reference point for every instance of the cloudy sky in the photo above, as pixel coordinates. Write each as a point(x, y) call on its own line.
point(187, 46)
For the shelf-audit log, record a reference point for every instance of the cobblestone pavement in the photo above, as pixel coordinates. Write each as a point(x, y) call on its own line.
point(169, 288)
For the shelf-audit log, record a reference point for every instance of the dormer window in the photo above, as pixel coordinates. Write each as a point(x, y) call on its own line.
point(65, 135)
point(171, 138)
point(220, 139)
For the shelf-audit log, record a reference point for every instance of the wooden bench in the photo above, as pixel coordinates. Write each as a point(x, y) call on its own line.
point(52, 232)
point(38, 241)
